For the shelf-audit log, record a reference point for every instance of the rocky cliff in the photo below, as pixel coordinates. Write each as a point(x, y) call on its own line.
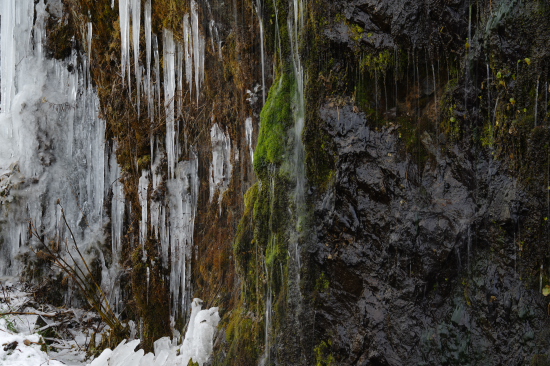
point(351, 182)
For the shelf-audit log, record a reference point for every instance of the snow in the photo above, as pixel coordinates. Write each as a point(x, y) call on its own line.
point(29, 351)
point(197, 345)
point(21, 345)
point(26, 351)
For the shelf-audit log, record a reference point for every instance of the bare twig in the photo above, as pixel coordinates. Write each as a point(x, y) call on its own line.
point(81, 276)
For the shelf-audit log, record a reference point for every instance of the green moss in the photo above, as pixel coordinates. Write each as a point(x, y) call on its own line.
point(323, 355)
point(276, 119)
point(245, 335)
point(377, 63)
point(322, 284)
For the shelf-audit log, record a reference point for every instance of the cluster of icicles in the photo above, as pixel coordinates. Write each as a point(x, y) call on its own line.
point(54, 157)
point(171, 220)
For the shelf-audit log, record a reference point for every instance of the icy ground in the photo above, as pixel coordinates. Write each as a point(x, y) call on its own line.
point(33, 334)
point(26, 326)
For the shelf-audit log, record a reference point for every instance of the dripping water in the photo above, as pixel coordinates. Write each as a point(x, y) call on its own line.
point(537, 100)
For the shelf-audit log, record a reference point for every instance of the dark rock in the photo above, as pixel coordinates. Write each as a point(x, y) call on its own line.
point(420, 280)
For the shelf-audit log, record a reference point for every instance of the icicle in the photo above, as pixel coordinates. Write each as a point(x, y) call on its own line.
point(220, 168)
point(157, 70)
point(249, 134)
point(124, 14)
point(136, 25)
point(89, 41)
point(180, 77)
point(169, 89)
point(188, 49)
point(117, 207)
point(143, 187)
point(182, 204)
point(198, 48)
point(148, 34)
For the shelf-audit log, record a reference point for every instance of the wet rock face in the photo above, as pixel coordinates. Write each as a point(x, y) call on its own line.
point(411, 23)
point(423, 259)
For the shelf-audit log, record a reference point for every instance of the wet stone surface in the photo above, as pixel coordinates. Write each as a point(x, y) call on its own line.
point(414, 265)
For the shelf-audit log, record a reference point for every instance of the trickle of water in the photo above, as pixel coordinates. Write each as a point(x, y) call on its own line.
point(259, 12)
point(469, 248)
point(541, 271)
point(265, 359)
point(296, 26)
point(488, 93)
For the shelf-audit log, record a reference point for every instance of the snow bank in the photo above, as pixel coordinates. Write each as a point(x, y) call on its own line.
point(197, 345)
point(19, 349)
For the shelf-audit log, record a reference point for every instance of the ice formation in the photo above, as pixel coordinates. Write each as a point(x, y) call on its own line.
point(169, 56)
point(45, 104)
point(249, 128)
point(135, 6)
point(55, 160)
point(143, 188)
point(124, 14)
point(197, 344)
point(148, 44)
point(220, 168)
